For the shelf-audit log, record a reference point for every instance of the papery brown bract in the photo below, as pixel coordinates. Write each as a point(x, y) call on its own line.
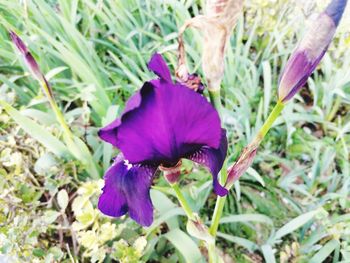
point(244, 161)
point(216, 25)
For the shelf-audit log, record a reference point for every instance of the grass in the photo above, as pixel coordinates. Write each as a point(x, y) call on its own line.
point(292, 204)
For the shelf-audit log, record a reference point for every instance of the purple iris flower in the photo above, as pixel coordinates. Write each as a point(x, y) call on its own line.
point(161, 124)
point(310, 50)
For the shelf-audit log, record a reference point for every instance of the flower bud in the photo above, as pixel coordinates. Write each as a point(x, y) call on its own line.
point(28, 58)
point(244, 161)
point(31, 63)
point(310, 50)
point(171, 174)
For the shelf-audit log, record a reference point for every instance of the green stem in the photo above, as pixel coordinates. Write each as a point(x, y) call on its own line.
point(219, 207)
point(212, 255)
point(57, 112)
point(183, 201)
point(73, 146)
point(220, 201)
point(270, 120)
point(215, 99)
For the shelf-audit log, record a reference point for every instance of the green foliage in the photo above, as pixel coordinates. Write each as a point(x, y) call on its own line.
point(291, 206)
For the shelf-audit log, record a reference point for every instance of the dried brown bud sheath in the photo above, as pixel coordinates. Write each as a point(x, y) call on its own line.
point(216, 26)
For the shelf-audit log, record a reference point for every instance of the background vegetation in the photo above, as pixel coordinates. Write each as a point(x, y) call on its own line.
point(293, 205)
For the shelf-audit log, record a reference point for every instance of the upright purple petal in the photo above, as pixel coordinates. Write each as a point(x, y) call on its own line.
point(213, 159)
point(126, 189)
point(159, 67)
point(170, 122)
point(109, 132)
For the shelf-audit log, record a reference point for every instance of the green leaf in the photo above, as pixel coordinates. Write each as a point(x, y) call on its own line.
point(268, 253)
point(165, 218)
point(50, 216)
point(325, 251)
point(38, 252)
point(185, 245)
point(249, 245)
point(36, 131)
point(166, 209)
point(295, 224)
point(247, 217)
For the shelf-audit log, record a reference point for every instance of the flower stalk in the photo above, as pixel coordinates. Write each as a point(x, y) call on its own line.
point(243, 164)
point(59, 116)
point(183, 202)
point(77, 148)
point(34, 69)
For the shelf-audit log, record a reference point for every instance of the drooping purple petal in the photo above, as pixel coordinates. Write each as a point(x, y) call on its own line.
point(159, 67)
point(170, 122)
point(127, 189)
point(213, 159)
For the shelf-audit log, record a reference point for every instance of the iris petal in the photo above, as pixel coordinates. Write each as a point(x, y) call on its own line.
point(295, 75)
point(213, 159)
point(109, 132)
point(159, 67)
point(171, 122)
point(127, 189)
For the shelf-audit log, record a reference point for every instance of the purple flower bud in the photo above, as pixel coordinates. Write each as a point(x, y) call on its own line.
point(31, 63)
point(28, 58)
point(18, 42)
point(310, 50)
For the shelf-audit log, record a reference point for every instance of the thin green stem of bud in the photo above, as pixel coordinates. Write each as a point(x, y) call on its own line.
point(57, 112)
point(72, 144)
point(270, 120)
point(186, 207)
point(220, 201)
point(219, 206)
